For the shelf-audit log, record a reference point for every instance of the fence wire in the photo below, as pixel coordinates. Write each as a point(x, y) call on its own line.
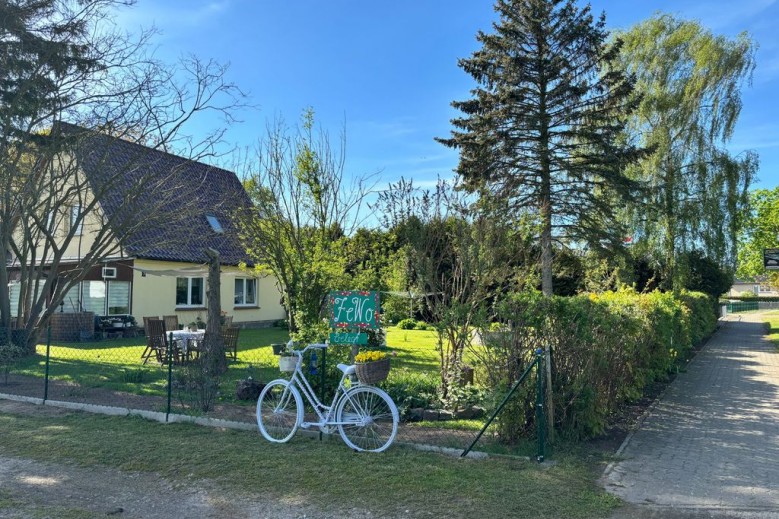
point(114, 372)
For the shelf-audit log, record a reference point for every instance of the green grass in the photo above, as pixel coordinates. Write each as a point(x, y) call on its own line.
point(773, 326)
point(116, 364)
point(327, 475)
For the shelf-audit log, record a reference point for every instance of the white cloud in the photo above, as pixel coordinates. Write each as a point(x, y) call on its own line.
point(172, 16)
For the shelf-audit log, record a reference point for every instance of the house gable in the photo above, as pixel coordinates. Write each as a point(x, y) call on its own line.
point(161, 206)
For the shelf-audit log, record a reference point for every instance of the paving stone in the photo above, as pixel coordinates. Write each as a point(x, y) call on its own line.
point(711, 442)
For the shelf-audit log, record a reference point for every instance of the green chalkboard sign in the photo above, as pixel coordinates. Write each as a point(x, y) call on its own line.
point(351, 309)
point(349, 338)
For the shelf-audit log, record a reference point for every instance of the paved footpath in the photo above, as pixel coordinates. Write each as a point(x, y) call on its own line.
point(710, 445)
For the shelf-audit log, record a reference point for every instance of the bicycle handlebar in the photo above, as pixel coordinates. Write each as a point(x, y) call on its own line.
point(320, 346)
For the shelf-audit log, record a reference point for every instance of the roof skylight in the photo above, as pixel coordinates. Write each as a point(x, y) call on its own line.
point(214, 222)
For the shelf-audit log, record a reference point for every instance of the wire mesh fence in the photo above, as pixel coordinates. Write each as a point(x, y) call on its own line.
point(119, 372)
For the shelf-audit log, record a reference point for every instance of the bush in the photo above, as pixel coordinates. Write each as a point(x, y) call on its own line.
point(407, 324)
point(411, 390)
point(606, 349)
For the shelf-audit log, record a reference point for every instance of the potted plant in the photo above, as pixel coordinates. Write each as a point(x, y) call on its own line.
point(287, 361)
point(371, 366)
point(192, 326)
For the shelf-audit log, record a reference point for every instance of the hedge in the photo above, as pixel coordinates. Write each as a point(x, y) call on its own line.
point(765, 299)
point(606, 350)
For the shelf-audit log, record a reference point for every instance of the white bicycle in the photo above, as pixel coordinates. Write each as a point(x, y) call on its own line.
point(365, 416)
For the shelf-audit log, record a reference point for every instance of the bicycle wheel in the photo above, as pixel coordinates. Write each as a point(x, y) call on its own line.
point(367, 419)
point(279, 411)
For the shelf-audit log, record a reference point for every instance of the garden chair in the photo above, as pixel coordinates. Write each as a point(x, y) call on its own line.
point(171, 322)
point(157, 342)
point(230, 336)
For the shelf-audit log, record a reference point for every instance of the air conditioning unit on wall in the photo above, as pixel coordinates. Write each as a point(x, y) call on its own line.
point(109, 272)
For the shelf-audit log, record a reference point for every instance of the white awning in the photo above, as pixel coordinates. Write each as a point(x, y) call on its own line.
point(183, 272)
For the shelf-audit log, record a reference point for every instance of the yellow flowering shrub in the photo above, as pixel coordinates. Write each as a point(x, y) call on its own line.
point(369, 356)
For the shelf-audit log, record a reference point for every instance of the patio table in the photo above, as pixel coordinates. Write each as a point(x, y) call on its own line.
point(187, 340)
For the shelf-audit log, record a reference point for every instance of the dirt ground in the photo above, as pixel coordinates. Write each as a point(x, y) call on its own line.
point(35, 489)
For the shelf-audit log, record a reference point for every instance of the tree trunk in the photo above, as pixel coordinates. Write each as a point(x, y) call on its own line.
point(213, 345)
point(669, 208)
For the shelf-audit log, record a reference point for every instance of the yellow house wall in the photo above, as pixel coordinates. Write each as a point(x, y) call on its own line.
point(156, 295)
point(92, 222)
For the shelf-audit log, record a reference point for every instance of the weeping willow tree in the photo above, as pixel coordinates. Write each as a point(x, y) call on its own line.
point(691, 83)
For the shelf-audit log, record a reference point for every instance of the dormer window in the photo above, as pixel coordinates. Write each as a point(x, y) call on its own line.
point(214, 222)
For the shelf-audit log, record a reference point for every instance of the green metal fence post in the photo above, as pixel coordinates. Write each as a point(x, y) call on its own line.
point(170, 374)
point(502, 404)
point(46, 373)
point(540, 415)
point(322, 368)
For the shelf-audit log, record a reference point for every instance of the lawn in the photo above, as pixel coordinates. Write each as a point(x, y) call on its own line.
point(324, 475)
point(773, 326)
point(116, 363)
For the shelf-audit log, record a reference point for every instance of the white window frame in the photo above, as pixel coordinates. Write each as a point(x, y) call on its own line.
point(189, 304)
point(75, 213)
point(245, 282)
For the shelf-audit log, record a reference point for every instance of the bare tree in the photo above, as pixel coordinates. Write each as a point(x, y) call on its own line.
point(60, 61)
point(304, 207)
point(457, 256)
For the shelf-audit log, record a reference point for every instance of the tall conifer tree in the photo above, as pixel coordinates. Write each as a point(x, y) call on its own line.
point(543, 128)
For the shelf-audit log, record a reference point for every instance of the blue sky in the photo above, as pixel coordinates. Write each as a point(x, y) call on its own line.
point(388, 70)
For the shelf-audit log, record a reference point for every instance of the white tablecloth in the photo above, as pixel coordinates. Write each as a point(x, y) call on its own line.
point(184, 338)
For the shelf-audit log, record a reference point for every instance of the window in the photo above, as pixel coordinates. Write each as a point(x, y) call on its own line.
point(245, 291)
point(118, 297)
point(15, 293)
point(105, 297)
point(14, 288)
point(75, 223)
point(71, 301)
point(214, 222)
point(189, 291)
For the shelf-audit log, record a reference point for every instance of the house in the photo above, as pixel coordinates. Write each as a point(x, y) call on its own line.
point(161, 212)
point(756, 288)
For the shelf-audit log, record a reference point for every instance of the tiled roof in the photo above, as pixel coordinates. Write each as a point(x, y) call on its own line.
point(159, 201)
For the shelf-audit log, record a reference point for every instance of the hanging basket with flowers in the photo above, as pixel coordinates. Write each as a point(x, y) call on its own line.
point(371, 366)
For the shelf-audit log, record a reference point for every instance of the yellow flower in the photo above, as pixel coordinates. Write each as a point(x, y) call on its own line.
point(369, 356)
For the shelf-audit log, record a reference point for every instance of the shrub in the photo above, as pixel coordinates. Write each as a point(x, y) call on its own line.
point(411, 390)
point(407, 324)
point(606, 349)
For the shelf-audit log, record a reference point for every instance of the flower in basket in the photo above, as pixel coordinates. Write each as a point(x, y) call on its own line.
point(371, 366)
point(370, 356)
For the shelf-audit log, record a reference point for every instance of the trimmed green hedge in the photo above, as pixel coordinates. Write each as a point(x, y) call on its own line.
point(606, 349)
point(769, 299)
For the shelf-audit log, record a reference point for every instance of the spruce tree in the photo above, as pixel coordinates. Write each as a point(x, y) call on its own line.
point(543, 130)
